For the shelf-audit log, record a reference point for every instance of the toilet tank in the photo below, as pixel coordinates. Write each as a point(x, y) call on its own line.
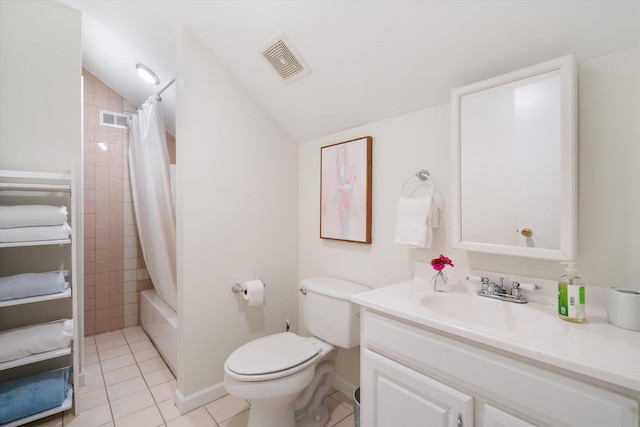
point(328, 311)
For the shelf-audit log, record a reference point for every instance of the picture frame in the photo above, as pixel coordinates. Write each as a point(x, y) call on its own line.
point(345, 191)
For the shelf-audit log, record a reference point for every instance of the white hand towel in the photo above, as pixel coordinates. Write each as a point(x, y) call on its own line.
point(413, 227)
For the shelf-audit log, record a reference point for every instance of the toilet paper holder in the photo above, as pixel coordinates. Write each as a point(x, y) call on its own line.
point(237, 287)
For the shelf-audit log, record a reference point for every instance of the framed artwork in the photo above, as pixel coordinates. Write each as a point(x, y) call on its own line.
point(345, 191)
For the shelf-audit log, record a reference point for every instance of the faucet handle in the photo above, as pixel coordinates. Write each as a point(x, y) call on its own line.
point(516, 288)
point(527, 286)
point(478, 279)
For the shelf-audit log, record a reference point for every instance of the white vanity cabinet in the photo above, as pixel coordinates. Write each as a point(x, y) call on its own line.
point(401, 396)
point(413, 375)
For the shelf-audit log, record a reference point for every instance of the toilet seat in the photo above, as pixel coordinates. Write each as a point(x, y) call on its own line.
point(271, 357)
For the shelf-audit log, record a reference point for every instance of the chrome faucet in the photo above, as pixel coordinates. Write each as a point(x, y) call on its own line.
point(497, 291)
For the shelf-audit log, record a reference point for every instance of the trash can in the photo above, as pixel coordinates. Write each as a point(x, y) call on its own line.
point(356, 407)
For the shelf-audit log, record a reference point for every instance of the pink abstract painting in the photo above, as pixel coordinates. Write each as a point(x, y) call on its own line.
point(345, 199)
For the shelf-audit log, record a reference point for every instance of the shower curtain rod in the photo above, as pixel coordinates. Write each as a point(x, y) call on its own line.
point(163, 88)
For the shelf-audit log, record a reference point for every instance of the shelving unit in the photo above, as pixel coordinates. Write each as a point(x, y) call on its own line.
point(24, 188)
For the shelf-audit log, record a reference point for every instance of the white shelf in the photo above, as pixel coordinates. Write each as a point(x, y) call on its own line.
point(29, 300)
point(35, 243)
point(66, 405)
point(35, 187)
point(34, 175)
point(35, 358)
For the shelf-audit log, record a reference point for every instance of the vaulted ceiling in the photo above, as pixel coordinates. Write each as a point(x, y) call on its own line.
point(369, 59)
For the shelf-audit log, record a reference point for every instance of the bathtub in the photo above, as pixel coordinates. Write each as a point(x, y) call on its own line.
point(160, 322)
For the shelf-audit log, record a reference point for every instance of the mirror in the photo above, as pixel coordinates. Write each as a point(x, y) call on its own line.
point(515, 163)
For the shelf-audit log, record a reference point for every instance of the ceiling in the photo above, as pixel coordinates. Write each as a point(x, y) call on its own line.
point(369, 59)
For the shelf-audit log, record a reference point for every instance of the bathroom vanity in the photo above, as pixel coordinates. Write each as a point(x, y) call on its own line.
point(457, 359)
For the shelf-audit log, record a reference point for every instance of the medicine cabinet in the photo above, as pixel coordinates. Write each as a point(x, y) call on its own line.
point(515, 163)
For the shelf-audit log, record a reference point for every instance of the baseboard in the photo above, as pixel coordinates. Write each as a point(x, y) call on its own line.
point(344, 387)
point(200, 398)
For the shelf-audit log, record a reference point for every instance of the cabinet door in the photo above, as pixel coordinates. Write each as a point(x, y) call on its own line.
point(395, 395)
point(494, 417)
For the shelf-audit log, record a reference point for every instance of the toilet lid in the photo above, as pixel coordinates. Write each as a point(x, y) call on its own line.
point(271, 354)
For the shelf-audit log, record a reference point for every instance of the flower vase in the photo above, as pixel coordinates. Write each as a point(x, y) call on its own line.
point(440, 283)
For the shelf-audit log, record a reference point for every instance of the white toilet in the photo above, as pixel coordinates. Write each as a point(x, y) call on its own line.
point(285, 376)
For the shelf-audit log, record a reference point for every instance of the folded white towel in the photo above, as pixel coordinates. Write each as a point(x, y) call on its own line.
point(32, 215)
point(32, 234)
point(416, 219)
point(21, 342)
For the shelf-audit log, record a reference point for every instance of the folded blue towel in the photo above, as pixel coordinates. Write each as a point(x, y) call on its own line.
point(23, 397)
point(32, 284)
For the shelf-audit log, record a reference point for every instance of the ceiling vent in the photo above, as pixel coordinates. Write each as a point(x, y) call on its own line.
point(114, 120)
point(284, 59)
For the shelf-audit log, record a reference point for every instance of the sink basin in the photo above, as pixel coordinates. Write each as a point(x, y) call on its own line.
point(495, 314)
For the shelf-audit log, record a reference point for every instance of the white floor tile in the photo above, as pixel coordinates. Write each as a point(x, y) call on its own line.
point(164, 391)
point(226, 407)
point(92, 368)
point(160, 376)
point(90, 346)
point(148, 417)
point(140, 345)
point(197, 418)
point(337, 412)
point(130, 404)
point(343, 399)
point(151, 365)
point(116, 341)
point(91, 383)
point(91, 400)
point(121, 374)
point(141, 393)
point(133, 330)
point(146, 354)
point(114, 352)
point(168, 410)
point(90, 359)
point(94, 417)
point(117, 362)
point(137, 336)
point(347, 422)
point(125, 388)
point(107, 336)
point(240, 420)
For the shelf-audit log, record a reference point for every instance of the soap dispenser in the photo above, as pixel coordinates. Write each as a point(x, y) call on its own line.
point(571, 295)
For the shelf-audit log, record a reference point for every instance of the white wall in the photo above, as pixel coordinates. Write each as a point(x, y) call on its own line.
point(237, 220)
point(609, 192)
point(41, 102)
point(40, 86)
point(401, 146)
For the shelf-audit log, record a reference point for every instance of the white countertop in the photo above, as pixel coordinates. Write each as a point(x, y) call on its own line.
point(594, 348)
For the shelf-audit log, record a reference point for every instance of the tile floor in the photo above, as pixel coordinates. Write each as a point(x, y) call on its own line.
point(129, 385)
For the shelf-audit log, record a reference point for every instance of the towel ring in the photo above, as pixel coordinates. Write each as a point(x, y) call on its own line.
point(422, 175)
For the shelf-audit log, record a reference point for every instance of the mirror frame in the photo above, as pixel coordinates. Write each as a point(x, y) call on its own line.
point(568, 161)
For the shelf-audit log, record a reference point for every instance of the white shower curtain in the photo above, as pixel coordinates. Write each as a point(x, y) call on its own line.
point(152, 201)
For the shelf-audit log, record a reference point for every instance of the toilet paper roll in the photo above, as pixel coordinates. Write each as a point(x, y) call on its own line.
point(253, 292)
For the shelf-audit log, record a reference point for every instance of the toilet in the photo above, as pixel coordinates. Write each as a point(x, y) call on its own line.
point(285, 376)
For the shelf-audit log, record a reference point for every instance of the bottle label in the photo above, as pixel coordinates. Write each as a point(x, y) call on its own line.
point(571, 301)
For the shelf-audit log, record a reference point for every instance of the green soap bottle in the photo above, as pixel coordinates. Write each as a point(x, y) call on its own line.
point(571, 295)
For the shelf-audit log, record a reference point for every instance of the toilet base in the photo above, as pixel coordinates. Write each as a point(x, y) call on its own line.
point(271, 416)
